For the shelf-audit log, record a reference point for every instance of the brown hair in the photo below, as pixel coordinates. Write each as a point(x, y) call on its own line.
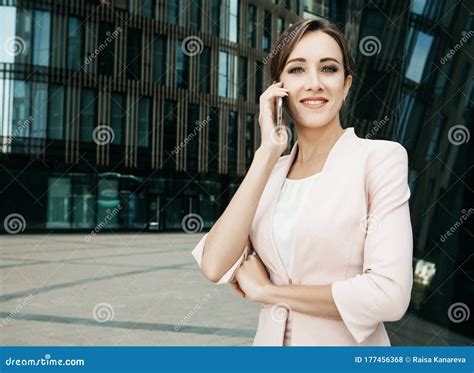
point(287, 41)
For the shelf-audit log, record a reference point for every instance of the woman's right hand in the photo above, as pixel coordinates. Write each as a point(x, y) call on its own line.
point(272, 139)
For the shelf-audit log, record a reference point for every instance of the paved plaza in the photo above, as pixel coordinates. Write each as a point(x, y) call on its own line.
point(133, 290)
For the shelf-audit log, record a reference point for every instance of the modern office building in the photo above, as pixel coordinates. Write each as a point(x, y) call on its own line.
point(98, 97)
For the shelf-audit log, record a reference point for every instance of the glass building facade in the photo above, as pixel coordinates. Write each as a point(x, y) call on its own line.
point(97, 98)
point(107, 104)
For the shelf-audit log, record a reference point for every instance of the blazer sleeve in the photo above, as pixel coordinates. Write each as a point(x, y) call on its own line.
point(382, 292)
point(198, 252)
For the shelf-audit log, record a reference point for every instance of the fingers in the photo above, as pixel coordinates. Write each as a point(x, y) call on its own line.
point(237, 289)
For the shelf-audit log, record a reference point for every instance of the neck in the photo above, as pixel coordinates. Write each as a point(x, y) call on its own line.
point(316, 142)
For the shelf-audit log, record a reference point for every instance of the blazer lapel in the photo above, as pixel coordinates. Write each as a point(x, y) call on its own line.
point(303, 229)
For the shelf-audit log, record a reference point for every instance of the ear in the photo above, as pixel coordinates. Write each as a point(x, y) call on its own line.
point(347, 85)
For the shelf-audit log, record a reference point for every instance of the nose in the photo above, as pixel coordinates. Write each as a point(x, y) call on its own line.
point(313, 81)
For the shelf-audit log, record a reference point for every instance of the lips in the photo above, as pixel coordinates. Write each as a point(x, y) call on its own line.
point(314, 102)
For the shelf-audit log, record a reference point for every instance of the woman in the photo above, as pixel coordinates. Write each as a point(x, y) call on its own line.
point(330, 222)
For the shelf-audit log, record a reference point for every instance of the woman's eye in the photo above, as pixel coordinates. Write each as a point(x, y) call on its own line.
point(295, 70)
point(330, 69)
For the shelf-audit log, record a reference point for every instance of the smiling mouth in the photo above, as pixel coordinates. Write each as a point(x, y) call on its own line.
point(314, 104)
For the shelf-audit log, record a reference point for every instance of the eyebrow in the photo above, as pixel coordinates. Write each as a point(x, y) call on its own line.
point(301, 59)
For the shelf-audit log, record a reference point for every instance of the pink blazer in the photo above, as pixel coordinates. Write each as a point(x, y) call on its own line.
point(354, 233)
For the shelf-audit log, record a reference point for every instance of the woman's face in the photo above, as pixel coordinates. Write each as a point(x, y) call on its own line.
point(314, 77)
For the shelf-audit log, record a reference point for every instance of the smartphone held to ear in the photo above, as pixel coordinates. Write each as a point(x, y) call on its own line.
point(279, 111)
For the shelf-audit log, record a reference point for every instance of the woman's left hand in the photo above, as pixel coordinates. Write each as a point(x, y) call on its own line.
point(253, 278)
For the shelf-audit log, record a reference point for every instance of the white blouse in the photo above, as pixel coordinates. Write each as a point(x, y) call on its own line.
point(286, 215)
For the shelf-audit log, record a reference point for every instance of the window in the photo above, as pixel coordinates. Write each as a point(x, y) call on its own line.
point(182, 66)
point(215, 17)
point(213, 145)
point(234, 21)
point(118, 117)
point(249, 139)
point(7, 20)
point(205, 70)
point(419, 57)
point(59, 202)
point(232, 76)
point(105, 49)
point(146, 8)
point(281, 25)
point(144, 115)
point(21, 126)
point(172, 12)
point(74, 44)
point(258, 80)
point(159, 60)
point(169, 135)
point(223, 73)
point(88, 114)
point(192, 147)
point(56, 114)
point(195, 14)
point(232, 142)
point(42, 35)
point(134, 48)
point(24, 30)
point(242, 77)
point(252, 26)
point(40, 110)
point(267, 31)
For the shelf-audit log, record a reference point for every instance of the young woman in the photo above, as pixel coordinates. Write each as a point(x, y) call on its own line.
point(329, 222)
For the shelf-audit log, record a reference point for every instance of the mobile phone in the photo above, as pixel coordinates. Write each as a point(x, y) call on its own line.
point(279, 110)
